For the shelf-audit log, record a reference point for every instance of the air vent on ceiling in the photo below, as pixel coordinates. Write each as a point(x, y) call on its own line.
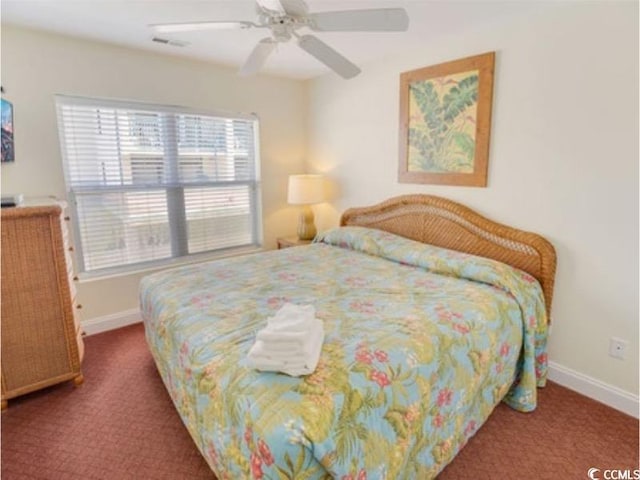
point(166, 41)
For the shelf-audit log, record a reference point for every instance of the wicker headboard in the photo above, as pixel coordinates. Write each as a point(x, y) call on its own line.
point(444, 223)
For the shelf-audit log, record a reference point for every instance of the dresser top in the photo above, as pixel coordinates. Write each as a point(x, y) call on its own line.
point(33, 207)
point(41, 202)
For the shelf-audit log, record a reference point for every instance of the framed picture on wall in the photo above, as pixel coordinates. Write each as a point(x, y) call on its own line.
point(445, 121)
point(6, 109)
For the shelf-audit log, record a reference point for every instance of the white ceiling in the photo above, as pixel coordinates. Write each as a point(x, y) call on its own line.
point(125, 22)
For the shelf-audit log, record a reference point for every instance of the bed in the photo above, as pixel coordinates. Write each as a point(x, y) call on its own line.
point(433, 315)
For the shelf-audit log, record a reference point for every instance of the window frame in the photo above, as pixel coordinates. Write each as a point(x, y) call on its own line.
point(176, 210)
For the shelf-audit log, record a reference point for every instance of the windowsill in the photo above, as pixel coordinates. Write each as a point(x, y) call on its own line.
point(172, 263)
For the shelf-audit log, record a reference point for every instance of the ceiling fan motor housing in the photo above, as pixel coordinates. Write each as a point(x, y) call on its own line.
point(283, 27)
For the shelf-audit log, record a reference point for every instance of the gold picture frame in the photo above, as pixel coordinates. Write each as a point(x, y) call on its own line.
point(445, 122)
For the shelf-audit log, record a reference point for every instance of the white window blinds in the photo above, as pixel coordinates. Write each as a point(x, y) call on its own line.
point(151, 183)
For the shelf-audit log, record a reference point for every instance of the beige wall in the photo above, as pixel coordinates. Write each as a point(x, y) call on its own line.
point(563, 161)
point(37, 65)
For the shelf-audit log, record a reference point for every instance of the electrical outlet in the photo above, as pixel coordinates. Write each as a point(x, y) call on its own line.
point(617, 348)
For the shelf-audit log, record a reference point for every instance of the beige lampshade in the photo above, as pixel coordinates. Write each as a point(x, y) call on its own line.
point(305, 189)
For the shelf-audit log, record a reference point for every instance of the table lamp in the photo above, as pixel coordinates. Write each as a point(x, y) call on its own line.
point(306, 190)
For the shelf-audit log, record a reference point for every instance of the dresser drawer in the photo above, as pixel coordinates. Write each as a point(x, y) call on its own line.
point(77, 314)
point(80, 341)
point(72, 289)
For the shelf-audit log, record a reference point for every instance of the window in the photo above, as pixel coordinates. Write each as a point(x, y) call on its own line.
point(151, 183)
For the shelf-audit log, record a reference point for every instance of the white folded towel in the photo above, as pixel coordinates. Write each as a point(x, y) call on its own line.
point(287, 351)
point(292, 318)
point(290, 343)
point(283, 338)
point(292, 367)
point(286, 348)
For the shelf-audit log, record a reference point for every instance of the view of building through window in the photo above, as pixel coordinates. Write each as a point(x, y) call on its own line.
point(150, 184)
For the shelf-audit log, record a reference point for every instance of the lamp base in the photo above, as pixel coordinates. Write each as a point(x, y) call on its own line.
point(306, 228)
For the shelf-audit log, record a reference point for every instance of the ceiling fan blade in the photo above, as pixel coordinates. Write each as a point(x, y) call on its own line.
point(328, 56)
point(195, 26)
point(257, 57)
point(272, 5)
point(371, 20)
point(295, 8)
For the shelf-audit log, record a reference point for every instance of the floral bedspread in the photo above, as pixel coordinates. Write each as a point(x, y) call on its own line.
point(421, 344)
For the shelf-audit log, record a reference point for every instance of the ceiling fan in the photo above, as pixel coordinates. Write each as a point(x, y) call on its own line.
point(285, 17)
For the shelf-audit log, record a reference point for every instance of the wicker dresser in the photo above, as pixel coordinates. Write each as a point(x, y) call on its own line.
point(41, 336)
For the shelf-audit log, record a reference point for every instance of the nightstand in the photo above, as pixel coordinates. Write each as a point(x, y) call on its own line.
point(286, 242)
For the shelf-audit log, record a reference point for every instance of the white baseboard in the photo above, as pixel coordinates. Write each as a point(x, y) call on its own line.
point(588, 386)
point(592, 388)
point(111, 322)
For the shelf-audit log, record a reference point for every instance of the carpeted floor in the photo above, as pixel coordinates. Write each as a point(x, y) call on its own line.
point(121, 424)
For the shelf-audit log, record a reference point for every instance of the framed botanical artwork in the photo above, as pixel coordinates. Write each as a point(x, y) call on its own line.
point(6, 111)
point(445, 122)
